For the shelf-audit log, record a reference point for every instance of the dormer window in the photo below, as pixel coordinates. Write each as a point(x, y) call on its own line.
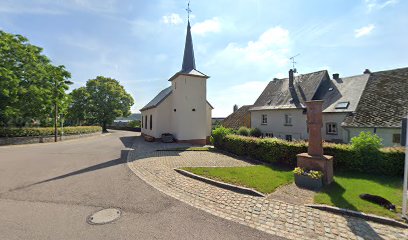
point(342, 105)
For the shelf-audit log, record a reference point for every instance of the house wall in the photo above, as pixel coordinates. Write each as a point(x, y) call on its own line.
point(385, 133)
point(209, 120)
point(146, 124)
point(190, 93)
point(338, 118)
point(276, 123)
point(163, 117)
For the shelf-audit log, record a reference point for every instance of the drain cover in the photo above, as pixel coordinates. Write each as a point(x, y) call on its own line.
point(104, 216)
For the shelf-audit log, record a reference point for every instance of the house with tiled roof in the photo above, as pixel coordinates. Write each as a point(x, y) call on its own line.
point(240, 118)
point(383, 104)
point(181, 109)
point(374, 102)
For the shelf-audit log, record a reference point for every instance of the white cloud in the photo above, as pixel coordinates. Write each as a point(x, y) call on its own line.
point(271, 49)
point(378, 4)
point(360, 32)
point(172, 18)
point(210, 25)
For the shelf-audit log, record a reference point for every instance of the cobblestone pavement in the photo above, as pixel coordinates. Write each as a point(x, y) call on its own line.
point(276, 217)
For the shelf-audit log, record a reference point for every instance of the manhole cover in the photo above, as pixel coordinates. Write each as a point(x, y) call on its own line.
point(104, 216)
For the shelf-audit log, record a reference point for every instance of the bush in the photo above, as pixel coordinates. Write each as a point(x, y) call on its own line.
point(243, 131)
point(366, 142)
point(389, 161)
point(134, 124)
point(218, 135)
point(255, 132)
point(48, 131)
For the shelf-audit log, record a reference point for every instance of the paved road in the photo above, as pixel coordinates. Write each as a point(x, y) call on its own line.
point(48, 190)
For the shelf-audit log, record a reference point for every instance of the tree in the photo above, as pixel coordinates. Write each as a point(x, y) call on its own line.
point(107, 100)
point(27, 81)
point(60, 84)
point(78, 109)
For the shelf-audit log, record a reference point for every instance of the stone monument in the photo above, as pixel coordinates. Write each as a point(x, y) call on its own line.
point(314, 159)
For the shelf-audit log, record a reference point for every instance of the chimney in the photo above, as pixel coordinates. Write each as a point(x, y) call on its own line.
point(291, 78)
point(336, 76)
point(367, 71)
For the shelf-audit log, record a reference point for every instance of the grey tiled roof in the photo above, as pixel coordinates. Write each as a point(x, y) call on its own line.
point(278, 95)
point(188, 58)
point(239, 118)
point(158, 99)
point(348, 89)
point(384, 101)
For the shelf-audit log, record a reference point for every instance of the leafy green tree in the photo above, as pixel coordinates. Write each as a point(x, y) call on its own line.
point(78, 109)
point(30, 86)
point(107, 100)
point(366, 142)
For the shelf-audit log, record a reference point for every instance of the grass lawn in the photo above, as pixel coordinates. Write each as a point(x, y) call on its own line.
point(264, 179)
point(345, 191)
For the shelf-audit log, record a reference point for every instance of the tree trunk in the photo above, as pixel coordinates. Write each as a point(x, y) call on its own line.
point(104, 127)
point(55, 123)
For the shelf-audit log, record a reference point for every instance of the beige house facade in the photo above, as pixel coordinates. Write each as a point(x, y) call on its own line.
point(374, 102)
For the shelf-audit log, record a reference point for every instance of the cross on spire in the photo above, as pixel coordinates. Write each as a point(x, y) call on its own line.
point(188, 10)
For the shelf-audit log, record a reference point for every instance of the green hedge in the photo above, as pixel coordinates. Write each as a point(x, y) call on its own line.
point(389, 161)
point(25, 132)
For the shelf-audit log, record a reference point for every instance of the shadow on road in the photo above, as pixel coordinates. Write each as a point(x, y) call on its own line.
point(126, 141)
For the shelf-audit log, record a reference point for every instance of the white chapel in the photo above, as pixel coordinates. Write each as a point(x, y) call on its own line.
point(181, 109)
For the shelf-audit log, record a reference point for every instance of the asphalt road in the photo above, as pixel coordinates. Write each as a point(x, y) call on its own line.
point(48, 190)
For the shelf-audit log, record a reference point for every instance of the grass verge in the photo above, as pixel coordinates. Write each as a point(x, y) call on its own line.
point(264, 179)
point(345, 190)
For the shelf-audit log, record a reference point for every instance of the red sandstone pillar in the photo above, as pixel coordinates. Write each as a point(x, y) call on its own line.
point(314, 158)
point(315, 123)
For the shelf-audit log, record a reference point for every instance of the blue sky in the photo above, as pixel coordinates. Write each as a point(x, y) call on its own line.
point(242, 45)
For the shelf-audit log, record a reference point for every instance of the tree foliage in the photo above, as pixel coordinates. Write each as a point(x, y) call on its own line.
point(30, 85)
point(101, 101)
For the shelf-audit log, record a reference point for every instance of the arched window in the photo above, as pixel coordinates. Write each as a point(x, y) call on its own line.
point(146, 122)
point(151, 122)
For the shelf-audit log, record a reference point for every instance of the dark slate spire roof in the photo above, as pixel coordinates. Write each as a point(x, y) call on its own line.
point(188, 59)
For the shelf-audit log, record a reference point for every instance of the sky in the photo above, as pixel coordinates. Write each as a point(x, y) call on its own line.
point(240, 44)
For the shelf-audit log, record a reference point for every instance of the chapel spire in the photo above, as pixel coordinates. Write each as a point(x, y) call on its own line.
point(188, 59)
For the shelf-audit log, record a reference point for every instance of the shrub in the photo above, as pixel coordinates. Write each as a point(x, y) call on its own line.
point(218, 135)
point(389, 161)
point(366, 142)
point(255, 132)
point(134, 124)
point(48, 131)
point(243, 131)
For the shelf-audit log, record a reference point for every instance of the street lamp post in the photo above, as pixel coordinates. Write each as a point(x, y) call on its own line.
point(405, 187)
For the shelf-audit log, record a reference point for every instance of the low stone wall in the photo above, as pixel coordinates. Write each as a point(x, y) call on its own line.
point(41, 139)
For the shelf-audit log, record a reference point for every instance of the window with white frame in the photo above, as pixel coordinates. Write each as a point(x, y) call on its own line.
point(331, 128)
point(288, 120)
point(264, 119)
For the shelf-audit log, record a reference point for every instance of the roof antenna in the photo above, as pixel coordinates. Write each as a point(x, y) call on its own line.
point(293, 62)
point(188, 11)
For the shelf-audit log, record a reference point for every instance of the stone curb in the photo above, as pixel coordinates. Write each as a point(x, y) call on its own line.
point(370, 217)
point(231, 187)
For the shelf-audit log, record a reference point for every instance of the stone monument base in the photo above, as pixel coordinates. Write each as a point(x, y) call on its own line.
point(321, 163)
